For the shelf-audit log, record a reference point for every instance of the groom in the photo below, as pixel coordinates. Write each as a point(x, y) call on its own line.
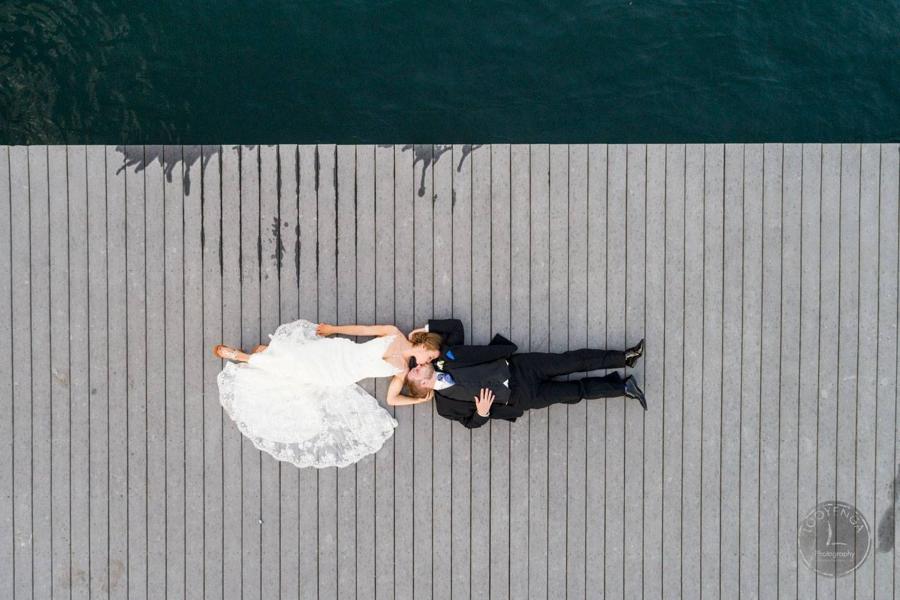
point(473, 384)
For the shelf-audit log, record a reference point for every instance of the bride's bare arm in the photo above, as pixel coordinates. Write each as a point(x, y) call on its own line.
point(324, 329)
point(395, 398)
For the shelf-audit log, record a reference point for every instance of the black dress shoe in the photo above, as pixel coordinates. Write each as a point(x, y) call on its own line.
point(633, 391)
point(634, 353)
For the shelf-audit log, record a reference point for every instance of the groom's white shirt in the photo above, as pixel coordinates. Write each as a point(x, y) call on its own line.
point(441, 385)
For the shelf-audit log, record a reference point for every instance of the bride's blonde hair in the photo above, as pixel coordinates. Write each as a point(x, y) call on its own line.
point(430, 340)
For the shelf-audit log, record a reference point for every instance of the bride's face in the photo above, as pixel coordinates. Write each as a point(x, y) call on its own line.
point(424, 355)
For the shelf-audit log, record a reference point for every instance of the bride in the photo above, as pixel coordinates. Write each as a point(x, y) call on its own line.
point(298, 400)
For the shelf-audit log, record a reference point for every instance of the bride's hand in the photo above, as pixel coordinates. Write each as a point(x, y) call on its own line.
point(324, 330)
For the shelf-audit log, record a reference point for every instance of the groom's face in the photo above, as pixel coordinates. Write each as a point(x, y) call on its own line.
point(422, 375)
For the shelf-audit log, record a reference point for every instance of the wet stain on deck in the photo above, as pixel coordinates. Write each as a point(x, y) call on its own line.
point(885, 533)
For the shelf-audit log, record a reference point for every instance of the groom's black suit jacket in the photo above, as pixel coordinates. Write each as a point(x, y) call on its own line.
point(472, 368)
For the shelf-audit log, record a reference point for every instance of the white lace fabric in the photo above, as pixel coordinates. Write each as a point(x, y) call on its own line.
point(299, 402)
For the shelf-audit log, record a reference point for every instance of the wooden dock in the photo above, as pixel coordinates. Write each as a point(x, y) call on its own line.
point(764, 278)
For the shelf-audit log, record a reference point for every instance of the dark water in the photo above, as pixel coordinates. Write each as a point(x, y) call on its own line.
point(450, 71)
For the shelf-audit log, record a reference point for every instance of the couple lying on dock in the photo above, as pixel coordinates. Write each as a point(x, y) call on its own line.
point(297, 398)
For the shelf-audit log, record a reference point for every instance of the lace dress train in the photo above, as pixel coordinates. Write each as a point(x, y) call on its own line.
point(299, 400)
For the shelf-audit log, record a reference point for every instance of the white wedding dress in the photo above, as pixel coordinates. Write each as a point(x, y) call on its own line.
point(299, 401)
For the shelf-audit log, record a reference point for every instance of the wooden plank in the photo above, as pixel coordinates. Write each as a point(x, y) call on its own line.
point(194, 360)
point(520, 304)
point(891, 171)
point(154, 181)
point(79, 369)
point(22, 377)
point(634, 327)
point(461, 443)
point(384, 313)
point(539, 318)
point(213, 418)
point(365, 313)
point(500, 322)
point(673, 416)
point(770, 373)
point(557, 426)
point(230, 265)
point(345, 187)
point(326, 252)
point(577, 433)
point(442, 298)
point(307, 506)
point(652, 364)
point(136, 285)
point(251, 458)
point(174, 377)
point(829, 334)
point(39, 253)
point(595, 492)
point(889, 189)
point(693, 370)
point(480, 333)
point(732, 286)
point(287, 160)
point(59, 365)
point(7, 432)
point(118, 373)
point(886, 409)
point(848, 334)
point(750, 369)
point(788, 479)
point(866, 404)
point(713, 253)
point(615, 338)
point(270, 304)
point(404, 282)
point(808, 386)
point(288, 239)
point(98, 407)
point(423, 297)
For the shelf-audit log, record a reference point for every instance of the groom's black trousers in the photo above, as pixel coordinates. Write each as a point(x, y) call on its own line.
point(531, 383)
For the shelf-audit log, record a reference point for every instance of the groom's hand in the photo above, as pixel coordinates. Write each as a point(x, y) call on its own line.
point(483, 402)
